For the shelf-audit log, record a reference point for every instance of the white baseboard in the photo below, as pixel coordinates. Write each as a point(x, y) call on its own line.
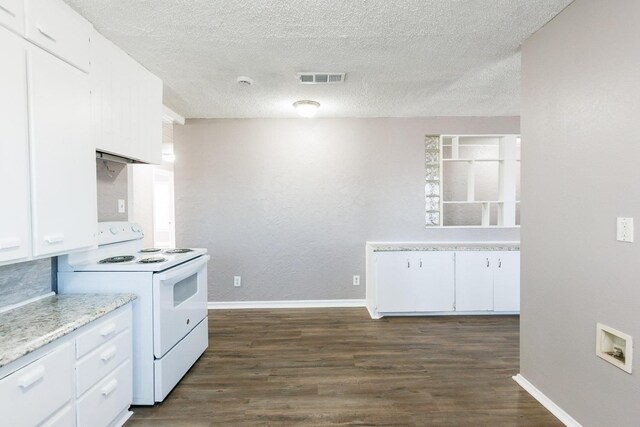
point(319, 303)
point(560, 414)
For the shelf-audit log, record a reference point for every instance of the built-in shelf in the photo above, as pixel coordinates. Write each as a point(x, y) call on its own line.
point(471, 201)
point(473, 160)
point(487, 160)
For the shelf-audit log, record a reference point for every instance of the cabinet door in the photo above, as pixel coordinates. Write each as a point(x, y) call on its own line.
point(393, 278)
point(55, 26)
point(432, 279)
point(474, 281)
point(126, 104)
point(506, 281)
point(151, 119)
point(63, 175)
point(12, 15)
point(14, 149)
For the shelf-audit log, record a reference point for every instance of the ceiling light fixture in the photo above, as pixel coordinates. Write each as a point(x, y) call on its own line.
point(306, 108)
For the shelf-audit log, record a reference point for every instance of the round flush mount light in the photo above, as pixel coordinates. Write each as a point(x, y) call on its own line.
point(244, 81)
point(306, 108)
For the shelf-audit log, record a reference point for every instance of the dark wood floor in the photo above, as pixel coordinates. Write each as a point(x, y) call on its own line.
point(338, 367)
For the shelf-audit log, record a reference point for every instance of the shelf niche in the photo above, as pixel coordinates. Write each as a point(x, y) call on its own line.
point(480, 182)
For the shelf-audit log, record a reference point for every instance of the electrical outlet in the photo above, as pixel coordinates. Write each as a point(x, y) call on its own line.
point(356, 280)
point(624, 229)
point(122, 208)
point(237, 281)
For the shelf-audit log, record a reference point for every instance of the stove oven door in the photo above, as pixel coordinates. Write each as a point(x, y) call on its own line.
point(179, 303)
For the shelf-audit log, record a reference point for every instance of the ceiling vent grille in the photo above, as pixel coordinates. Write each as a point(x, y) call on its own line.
point(320, 78)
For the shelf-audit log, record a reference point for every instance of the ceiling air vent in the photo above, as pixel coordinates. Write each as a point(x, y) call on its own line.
point(320, 78)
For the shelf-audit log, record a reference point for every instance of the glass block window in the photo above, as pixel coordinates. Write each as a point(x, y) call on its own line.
point(432, 184)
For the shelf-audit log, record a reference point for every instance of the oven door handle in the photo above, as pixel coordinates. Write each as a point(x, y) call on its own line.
point(184, 270)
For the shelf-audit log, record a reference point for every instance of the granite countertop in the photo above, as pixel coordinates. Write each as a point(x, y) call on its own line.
point(443, 246)
point(34, 325)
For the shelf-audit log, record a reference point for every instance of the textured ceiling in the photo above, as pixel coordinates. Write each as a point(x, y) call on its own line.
point(402, 58)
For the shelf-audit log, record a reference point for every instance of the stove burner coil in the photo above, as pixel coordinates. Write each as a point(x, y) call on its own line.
point(152, 260)
point(149, 250)
point(117, 259)
point(177, 251)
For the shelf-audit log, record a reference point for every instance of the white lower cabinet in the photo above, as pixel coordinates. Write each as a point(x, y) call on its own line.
point(506, 281)
point(488, 281)
point(101, 404)
point(474, 281)
point(61, 389)
point(33, 393)
point(415, 281)
point(441, 281)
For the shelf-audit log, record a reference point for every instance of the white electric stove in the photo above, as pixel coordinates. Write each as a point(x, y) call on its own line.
point(170, 324)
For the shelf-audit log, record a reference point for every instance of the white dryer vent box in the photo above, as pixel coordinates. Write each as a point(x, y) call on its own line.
point(614, 346)
point(320, 78)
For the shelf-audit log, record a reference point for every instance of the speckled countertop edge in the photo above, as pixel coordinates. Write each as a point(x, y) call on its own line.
point(443, 246)
point(34, 325)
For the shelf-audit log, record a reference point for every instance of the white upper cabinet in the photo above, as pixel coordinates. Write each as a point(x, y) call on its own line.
point(54, 26)
point(14, 149)
point(63, 175)
point(12, 15)
point(126, 104)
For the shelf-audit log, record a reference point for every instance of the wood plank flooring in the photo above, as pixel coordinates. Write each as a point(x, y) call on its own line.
point(325, 367)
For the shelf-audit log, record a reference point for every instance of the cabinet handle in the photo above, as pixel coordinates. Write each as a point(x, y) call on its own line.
point(7, 10)
point(108, 330)
point(31, 378)
point(108, 355)
point(408, 264)
point(109, 388)
point(44, 33)
point(499, 263)
point(487, 262)
point(54, 238)
point(10, 243)
point(420, 262)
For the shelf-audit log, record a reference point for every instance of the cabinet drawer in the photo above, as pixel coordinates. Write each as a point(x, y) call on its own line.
point(65, 417)
point(101, 404)
point(12, 15)
point(54, 26)
point(33, 393)
point(97, 364)
point(102, 332)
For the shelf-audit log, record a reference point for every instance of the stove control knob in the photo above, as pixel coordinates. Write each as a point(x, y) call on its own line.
point(134, 229)
point(114, 230)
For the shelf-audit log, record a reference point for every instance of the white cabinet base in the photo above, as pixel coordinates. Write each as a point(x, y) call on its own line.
point(425, 279)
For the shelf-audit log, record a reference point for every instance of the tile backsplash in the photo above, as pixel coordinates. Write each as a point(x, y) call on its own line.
point(25, 280)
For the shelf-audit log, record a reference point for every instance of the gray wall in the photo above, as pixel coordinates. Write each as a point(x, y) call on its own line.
point(112, 186)
point(289, 203)
point(25, 280)
point(580, 130)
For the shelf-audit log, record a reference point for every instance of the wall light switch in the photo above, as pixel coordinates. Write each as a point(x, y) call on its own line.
point(624, 229)
point(122, 208)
